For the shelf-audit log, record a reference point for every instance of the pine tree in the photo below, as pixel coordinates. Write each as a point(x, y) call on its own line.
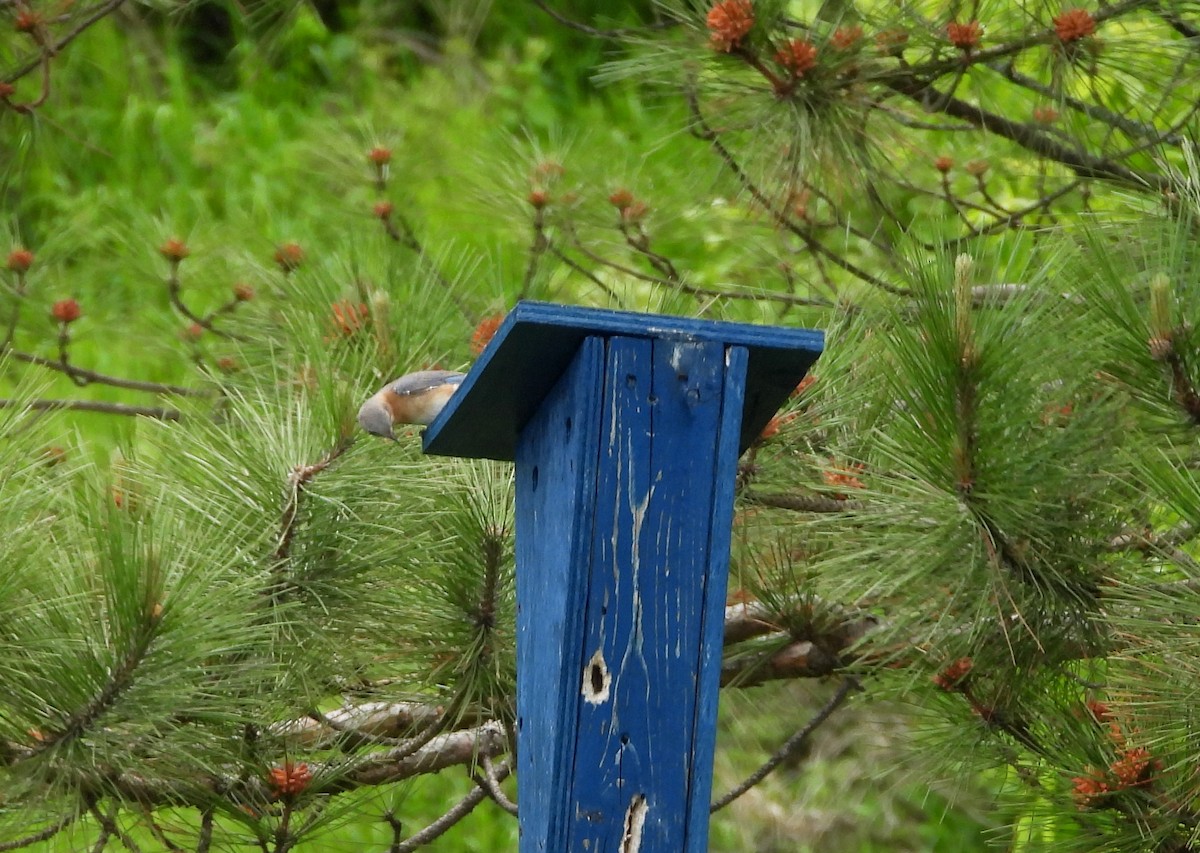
point(983, 500)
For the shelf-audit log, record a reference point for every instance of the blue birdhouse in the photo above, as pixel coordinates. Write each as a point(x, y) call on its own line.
point(626, 430)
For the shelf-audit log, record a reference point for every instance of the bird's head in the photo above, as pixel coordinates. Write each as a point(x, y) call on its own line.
point(376, 418)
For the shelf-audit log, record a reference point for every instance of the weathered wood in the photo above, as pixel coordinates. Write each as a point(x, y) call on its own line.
point(537, 340)
point(625, 430)
point(556, 477)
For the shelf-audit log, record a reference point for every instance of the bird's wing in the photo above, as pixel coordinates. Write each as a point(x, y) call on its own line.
point(424, 380)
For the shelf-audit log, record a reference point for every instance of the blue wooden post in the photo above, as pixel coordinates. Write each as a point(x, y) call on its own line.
point(625, 429)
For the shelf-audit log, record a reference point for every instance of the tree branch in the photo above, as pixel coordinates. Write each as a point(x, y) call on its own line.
point(1027, 136)
point(101, 406)
point(85, 377)
point(791, 746)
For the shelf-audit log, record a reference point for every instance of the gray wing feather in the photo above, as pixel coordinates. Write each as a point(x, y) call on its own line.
point(423, 380)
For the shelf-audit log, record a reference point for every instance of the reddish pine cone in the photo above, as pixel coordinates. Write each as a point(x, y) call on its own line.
point(635, 211)
point(290, 778)
point(844, 38)
point(383, 209)
point(484, 332)
point(192, 332)
point(6, 89)
point(620, 198)
point(964, 36)
point(27, 21)
point(20, 260)
point(1045, 115)
point(1135, 767)
point(891, 42)
point(349, 318)
point(1074, 24)
point(805, 383)
point(977, 168)
point(797, 56)
point(243, 292)
point(66, 311)
point(174, 250)
point(289, 257)
point(539, 198)
point(728, 23)
point(953, 676)
point(379, 155)
point(943, 164)
point(1089, 789)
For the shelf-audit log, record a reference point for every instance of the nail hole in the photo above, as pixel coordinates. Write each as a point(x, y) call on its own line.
point(569, 425)
point(534, 478)
point(631, 379)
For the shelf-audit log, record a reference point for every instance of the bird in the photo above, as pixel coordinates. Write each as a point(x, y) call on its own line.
point(415, 398)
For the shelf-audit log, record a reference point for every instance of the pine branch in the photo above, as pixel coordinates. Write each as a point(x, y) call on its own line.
point(460, 748)
point(450, 818)
point(95, 15)
point(175, 295)
point(802, 502)
point(691, 289)
point(618, 33)
point(704, 131)
point(489, 780)
point(42, 835)
point(1026, 135)
point(156, 412)
point(120, 679)
point(84, 377)
point(298, 481)
point(791, 746)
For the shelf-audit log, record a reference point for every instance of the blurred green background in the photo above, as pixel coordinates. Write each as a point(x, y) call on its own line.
point(238, 132)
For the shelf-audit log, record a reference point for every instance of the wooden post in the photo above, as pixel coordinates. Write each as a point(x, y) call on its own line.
point(626, 430)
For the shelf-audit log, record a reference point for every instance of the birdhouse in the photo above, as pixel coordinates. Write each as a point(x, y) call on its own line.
point(625, 430)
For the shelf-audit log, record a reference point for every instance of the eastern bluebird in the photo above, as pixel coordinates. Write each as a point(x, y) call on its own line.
point(415, 398)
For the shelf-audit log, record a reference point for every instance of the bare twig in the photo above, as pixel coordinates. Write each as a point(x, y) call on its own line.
point(401, 231)
point(709, 292)
point(206, 830)
point(83, 376)
point(97, 14)
point(1028, 136)
point(802, 502)
point(705, 131)
point(619, 32)
point(42, 835)
point(174, 292)
point(298, 480)
point(538, 244)
point(450, 818)
point(108, 826)
point(489, 781)
point(792, 745)
point(582, 270)
point(101, 406)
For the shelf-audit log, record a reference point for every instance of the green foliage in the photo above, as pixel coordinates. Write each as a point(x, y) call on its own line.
point(984, 507)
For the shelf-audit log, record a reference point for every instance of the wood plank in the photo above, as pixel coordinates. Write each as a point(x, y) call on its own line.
point(556, 483)
point(537, 340)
